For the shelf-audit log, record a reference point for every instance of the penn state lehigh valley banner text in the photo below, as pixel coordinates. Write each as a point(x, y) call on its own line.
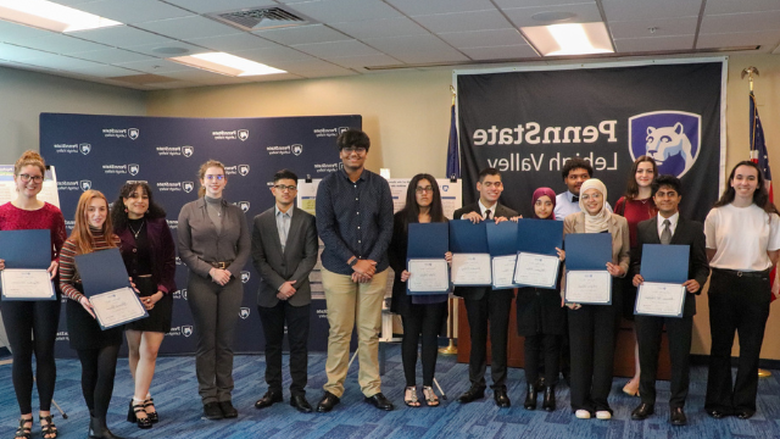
point(103, 152)
point(527, 124)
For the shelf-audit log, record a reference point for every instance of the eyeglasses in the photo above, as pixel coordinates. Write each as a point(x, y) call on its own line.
point(357, 149)
point(27, 177)
point(219, 177)
point(421, 189)
point(281, 187)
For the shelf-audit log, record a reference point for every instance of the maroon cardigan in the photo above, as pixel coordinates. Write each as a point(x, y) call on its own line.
point(162, 250)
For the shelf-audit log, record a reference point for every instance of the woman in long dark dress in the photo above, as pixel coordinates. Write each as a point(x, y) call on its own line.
point(149, 254)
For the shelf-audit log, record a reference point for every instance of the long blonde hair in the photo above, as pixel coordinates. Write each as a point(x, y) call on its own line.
point(81, 235)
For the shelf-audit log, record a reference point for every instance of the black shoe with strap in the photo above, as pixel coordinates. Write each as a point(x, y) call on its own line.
point(48, 430)
point(25, 428)
point(132, 415)
point(152, 415)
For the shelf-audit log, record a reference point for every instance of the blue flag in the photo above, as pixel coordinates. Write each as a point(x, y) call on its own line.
point(453, 157)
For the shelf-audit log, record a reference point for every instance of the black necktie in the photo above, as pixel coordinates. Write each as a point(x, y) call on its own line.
point(487, 214)
point(575, 198)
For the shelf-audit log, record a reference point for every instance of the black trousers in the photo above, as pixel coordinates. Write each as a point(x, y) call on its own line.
point(546, 347)
point(737, 304)
point(297, 320)
point(592, 330)
point(648, 333)
point(494, 306)
point(98, 367)
point(31, 327)
point(421, 322)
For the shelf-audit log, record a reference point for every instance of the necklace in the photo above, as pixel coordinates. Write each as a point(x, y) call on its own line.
point(136, 233)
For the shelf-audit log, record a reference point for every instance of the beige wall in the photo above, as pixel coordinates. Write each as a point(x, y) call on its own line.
point(407, 116)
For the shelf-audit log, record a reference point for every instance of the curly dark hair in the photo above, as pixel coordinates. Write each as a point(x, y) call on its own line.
point(118, 213)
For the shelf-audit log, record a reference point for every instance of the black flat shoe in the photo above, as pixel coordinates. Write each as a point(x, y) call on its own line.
point(745, 414)
point(380, 401)
point(677, 417)
point(300, 403)
point(227, 409)
point(132, 415)
point(473, 394)
point(716, 414)
point(502, 399)
point(269, 399)
point(548, 404)
point(212, 412)
point(530, 398)
point(642, 412)
point(327, 402)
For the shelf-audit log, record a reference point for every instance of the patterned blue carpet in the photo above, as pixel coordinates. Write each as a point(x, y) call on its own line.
point(175, 393)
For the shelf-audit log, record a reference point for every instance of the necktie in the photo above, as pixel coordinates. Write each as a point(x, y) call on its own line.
point(666, 233)
point(487, 214)
point(575, 199)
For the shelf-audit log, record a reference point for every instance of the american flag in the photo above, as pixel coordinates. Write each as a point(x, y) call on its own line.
point(759, 156)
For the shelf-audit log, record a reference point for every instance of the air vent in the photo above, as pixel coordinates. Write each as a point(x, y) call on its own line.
point(261, 18)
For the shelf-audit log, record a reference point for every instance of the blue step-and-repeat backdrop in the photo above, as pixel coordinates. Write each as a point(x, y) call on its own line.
point(103, 152)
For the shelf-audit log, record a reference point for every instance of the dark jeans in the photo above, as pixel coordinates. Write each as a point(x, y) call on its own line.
point(297, 320)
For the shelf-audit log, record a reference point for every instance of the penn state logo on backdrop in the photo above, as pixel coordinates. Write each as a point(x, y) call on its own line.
point(188, 186)
point(243, 312)
point(244, 205)
point(342, 129)
point(245, 275)
point(85, 185)
point(186, 330)
point(243, 170)
point(445, 187)
point(133, 169)
point(133, 133)
point(85, 148)
point(187, 151)
point(243, 135)
point(671, 138)
point(297, 149)
point(184, 293)
point(178, 260)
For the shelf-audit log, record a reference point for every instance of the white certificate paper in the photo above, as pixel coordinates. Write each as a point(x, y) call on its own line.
point(660, 299)
point(535, 270)
point(471, 269)
point(588, 287)
point(428, 276)
point(117, 307)
point(23, 284)
point(503, 272)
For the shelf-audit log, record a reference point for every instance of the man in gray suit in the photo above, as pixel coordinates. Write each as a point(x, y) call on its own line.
point(284, 251)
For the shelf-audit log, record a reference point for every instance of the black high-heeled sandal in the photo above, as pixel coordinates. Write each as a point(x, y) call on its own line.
point(22, 431)
point(153, 415)
point(132, 416)
point(48, 431)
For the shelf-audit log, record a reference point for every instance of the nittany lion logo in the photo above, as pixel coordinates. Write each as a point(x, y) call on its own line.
point(445, 187)
point(187, 151)
point(184, 293)
point(297, 149)
point(244, 205)
point(342, 129)
point(178, 261)
point(243, 135)
point(243, 312)
point(245, 275)
point(671, 138)
point(85, 148)
point(186, 330)
point(85, 185)
point(243, 170)
point(133, 169)
point(133, 133)
point(188, 186)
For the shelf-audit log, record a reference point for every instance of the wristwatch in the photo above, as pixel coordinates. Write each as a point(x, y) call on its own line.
point(352, 261)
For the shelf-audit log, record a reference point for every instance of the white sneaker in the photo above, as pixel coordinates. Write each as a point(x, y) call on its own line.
point(603, 415)
point(582, 414)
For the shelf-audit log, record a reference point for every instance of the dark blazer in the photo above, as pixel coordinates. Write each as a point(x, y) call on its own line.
point(162, 249)
point(688, 232)
point(297, 261)
point(476, 293)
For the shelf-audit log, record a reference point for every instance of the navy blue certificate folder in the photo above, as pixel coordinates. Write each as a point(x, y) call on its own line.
point(502, 238)
point(539, 236)
point(467, 237)
point(30, 249)
point(665, 263)
point(588, 251)
point(428, 241)
point(102, 271)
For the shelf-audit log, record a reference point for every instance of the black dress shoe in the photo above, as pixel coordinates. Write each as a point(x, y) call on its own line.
point(677, 417)
point(530, 398)
point(268, 399)
point(211, 411)
point(502, 400)
point(473, 394)
point(745, 414)
point(380, 401)
point(227, 409)
point(300, 403)
point(642, 412)
point(716, 414)
point(549, 399)
point(327, 402)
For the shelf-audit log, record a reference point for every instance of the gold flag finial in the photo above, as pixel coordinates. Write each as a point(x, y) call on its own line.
point(749, 71)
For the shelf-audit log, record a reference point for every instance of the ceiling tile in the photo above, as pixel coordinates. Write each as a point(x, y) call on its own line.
point(500, 52)
point(135, 11)
point(359, 62)
point(60, 62)
point(484, 38)
point(766, 39)
point(154, 49)
point(231, 43)
point(269, 55)
point(208, 6)
point(382, 28)
point(625, 10)
point(757, 21)
point(205, 77)
point(584, 13)
point(111, 56)
point(188, 27)
point(59, 43)
point(104, 71)
point(464, 21)
point(336, 48)
point(122, 36)
point(18, 53)
point(732, 6)
point(331, 11)
point(503, 4)
point(655, 43)
point(417, 49)
point(290, 36)
point(428, 7)
point(156, 66)
point(663, 27)
point(17, 34)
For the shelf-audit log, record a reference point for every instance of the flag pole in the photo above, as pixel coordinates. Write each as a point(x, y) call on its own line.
point(450, 349)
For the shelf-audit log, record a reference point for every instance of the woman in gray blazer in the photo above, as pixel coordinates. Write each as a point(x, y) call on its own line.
point(214, 243)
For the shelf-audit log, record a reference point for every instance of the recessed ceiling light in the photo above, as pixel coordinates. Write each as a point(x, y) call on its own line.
point(570, 39)
point(52, 16)
point(226, 64)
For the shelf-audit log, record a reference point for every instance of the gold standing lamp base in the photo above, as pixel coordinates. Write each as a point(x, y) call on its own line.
point(451, 349)
point(763, 373)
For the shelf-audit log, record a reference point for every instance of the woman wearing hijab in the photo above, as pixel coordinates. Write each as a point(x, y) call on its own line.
point(592, 328)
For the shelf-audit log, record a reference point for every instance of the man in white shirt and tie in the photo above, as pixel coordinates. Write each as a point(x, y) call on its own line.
point(575, 171)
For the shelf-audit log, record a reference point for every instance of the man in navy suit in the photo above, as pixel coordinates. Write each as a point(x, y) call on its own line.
point(668, 227)
point(284, 251)
point(484, 304)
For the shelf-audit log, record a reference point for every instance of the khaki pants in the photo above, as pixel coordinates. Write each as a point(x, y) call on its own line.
point(351, 304)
